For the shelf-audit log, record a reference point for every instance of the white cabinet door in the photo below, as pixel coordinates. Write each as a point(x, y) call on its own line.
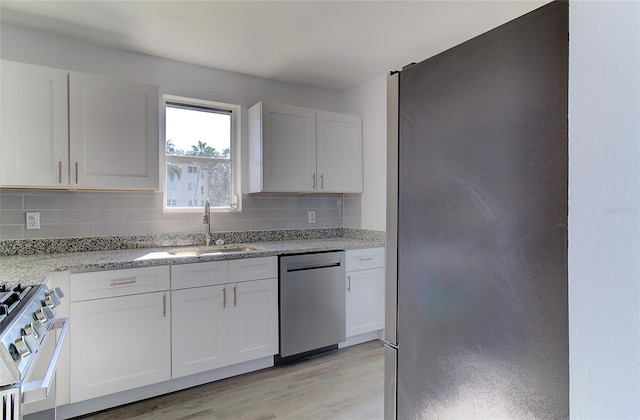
point(185, 276)
point(283, 148)
point(365, 301)
point(339, 152)
point(293, 149)
point(253, 320)
point(123, 282)
point(119, 343)
point(223, 323)
point(34, 135)
point(253, 269)
point(200, 325)
point(113, 133)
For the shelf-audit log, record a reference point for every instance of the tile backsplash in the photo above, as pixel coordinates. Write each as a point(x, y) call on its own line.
point(70, 214)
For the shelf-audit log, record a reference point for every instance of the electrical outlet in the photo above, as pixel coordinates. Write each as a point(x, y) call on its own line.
point(33, 220)
point(312, 216)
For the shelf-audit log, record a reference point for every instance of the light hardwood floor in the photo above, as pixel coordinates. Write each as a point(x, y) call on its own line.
point(343, 384)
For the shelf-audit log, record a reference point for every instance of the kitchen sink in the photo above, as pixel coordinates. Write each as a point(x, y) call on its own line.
point(208, 250)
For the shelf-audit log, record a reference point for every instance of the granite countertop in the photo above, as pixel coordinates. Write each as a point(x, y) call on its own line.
point(34, 269)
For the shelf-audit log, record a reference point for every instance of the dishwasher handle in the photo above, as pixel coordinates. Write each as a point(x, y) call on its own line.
point(302, 266)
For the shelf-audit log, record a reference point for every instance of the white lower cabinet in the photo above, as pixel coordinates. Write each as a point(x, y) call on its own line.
point(231, 320)
point(253, 320)
point(200, 327)
point(119, 341)
point(365, 291)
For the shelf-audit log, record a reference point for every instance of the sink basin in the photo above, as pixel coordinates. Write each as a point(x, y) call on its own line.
point(208, 250)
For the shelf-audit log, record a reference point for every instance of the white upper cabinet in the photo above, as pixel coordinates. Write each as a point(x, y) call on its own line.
point(113, 133)
point(34, 138)
point(74, 130)
point(339, 152)
point(293, 149)
point(282, 148)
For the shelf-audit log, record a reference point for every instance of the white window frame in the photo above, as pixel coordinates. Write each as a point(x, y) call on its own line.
point(236, 193)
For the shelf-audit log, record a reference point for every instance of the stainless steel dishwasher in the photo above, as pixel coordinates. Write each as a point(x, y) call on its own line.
point(312, 304)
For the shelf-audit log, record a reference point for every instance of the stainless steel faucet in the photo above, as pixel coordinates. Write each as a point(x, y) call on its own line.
point(207, 223)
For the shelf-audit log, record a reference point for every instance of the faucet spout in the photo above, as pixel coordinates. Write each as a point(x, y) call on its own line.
point(206, 220)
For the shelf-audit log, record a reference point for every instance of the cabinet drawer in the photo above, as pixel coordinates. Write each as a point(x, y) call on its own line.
point(362, 259)
point(184, 276)
point(111, 283)
point(253, 269)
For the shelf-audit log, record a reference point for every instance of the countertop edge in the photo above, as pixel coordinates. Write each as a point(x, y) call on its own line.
point(35, 269)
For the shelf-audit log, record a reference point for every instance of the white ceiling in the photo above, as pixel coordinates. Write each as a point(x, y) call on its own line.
point(330, 44)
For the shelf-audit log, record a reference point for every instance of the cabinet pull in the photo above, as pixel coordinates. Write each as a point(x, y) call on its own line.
point(234, 296)
point(313, 177)
point(348, 283)
point(322, 181)
point(164, 305)
point(76, 172)
point(366, 259)
point(59, 172)
point(124, 282)
point(224, 297)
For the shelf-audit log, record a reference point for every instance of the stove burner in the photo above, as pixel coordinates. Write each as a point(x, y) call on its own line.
point(10, 299)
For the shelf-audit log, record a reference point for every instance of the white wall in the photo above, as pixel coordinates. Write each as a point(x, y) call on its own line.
point(604, 209)
point(370, 101)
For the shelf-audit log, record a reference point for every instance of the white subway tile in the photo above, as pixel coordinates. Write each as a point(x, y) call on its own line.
point(69, 230)
point(10, 201)
point(93, 216)
point(10, 232)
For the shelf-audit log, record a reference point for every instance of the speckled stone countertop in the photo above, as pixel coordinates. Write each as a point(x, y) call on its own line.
point(34, 268)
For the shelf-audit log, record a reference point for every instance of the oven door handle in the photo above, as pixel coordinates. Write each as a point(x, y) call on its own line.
point(39, 389)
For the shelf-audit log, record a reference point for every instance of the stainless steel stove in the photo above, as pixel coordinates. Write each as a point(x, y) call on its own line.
point(27, 322)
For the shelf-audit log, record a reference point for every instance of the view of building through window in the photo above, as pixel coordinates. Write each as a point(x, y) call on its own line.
point(198, 155)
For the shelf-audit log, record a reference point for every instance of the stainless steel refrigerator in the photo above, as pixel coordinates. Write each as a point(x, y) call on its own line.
point(477, 311)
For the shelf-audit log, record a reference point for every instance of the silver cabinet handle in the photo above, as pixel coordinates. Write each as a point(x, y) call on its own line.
point(124, 282)
point(59, 172)
point(348, 283)
point(313, 177)
point(164, 305)
point(235, 300)
point(224, 297)
point(322, 181)
point(366, 259)
point(76, 172)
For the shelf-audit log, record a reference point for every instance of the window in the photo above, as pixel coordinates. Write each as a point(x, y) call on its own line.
point(201, 154)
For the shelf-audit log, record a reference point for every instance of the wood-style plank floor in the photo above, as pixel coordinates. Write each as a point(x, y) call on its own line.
point(342, 384)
